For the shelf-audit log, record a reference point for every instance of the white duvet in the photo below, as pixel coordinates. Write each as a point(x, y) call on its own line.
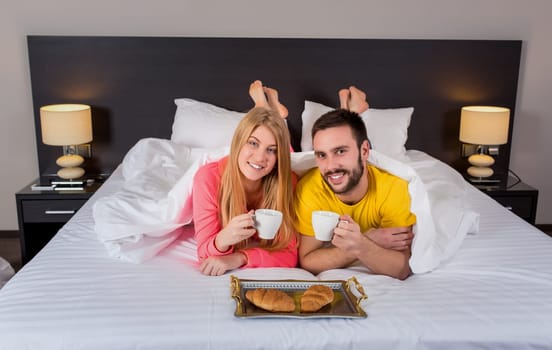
point(145, 216)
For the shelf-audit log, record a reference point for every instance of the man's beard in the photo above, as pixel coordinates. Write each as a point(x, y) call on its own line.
point(354, 177)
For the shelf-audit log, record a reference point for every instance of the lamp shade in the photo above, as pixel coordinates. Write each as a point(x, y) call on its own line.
point(66, 124)
point(484, 125)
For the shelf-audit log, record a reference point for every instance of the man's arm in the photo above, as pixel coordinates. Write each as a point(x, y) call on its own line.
point(397, 238)
point(383, 261)
point(351, 245)
point(380, 260)
point(314, 257)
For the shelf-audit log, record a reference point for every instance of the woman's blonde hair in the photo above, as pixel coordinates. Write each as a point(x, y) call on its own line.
point(277, 186)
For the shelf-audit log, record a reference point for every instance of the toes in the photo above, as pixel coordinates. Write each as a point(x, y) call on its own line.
point(344, 95)
point(358, 101)
point(274, 103)
point(257, 84)
point(355, 92)
point(257, 94)
point(282, 110)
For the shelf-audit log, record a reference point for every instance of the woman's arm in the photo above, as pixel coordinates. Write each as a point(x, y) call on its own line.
point(206, 211)
point(259, 257)
point(212, 239)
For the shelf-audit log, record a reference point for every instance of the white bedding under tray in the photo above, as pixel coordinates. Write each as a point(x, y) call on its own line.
point(495, 293)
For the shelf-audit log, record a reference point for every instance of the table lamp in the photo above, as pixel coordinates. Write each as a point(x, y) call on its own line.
point(486, 127)
point(67, 125)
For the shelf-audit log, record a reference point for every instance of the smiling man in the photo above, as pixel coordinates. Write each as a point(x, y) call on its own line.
point(375, 227)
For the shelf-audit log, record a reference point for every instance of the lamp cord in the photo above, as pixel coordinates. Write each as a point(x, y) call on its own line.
point(518, 179)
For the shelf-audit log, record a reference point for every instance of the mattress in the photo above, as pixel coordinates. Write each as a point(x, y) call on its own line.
point(495, 292)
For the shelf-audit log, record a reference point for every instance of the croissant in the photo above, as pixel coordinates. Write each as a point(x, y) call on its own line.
point(271, 300)
point(316, 297)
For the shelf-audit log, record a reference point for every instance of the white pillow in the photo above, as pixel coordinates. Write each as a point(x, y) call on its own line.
point(387, 128)
point(203, 125)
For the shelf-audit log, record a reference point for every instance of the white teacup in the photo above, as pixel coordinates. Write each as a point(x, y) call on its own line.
point(267, 222)
point(323, 223)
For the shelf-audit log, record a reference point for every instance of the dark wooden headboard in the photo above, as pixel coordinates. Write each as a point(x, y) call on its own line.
point(131, 83)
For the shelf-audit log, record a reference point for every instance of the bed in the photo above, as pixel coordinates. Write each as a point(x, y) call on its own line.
point(487, 285)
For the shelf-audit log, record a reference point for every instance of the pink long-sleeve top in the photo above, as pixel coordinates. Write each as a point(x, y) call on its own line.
point(207, 223)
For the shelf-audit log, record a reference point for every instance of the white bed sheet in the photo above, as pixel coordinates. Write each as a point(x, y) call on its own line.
point(495, 293)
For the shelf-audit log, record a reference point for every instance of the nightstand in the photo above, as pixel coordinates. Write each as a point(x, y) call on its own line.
point(41, 213)
point(519, 197)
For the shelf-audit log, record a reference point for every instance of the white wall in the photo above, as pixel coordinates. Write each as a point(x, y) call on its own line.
point(422, 19)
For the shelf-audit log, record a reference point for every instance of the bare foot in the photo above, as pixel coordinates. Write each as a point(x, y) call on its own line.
point(357, 102)
point(344, 96)
point(257, 94)
point(274, 103)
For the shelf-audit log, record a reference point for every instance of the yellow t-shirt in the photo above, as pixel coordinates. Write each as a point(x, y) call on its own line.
point(386, 203)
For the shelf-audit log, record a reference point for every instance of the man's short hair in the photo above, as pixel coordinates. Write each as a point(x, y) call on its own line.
point(340, 117)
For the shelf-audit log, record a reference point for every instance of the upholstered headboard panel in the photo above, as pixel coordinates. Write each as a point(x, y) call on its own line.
point(131, 82)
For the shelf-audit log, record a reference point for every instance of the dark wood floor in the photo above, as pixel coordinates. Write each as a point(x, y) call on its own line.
point(9, 249)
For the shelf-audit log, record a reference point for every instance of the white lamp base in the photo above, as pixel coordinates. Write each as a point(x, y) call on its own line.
point(480, 172)
point(480, 165)
point(70, 166)
point(70, 173)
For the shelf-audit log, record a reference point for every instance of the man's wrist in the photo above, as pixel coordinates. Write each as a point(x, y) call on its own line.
point(343, 258)
point(364, 247)
point(370, 232)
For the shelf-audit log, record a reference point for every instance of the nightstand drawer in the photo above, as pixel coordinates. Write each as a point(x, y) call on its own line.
point(42, 213)
point(50, 210)
point(521, 206)
point(517, 196)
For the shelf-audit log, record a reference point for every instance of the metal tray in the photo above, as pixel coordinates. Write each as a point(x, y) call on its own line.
point(345, 304)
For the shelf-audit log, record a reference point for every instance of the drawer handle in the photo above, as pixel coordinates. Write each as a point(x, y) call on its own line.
point(59, 212)
point(508, 207)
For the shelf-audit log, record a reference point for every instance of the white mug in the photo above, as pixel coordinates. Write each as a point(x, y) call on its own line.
point(324, 223)
point(267, 222)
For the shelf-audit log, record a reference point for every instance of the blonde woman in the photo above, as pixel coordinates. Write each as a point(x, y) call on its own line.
point(256, 174)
